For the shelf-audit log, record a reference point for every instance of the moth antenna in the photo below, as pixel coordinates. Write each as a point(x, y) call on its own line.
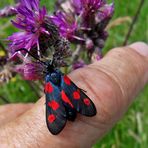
point(31, 55)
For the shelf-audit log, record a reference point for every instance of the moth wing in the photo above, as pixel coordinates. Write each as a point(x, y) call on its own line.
point(55, 111)
point(81, 102)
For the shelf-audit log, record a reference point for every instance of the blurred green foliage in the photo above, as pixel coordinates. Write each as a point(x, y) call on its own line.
point(132, 130)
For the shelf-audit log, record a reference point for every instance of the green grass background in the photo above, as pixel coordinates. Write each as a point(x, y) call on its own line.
point(132, 130)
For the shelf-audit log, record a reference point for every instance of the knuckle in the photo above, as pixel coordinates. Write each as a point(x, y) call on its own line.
point(127, 68)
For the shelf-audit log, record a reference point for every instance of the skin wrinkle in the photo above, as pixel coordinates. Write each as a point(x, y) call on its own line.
point(112, 82)
point(100, 69)
point(89, 86)
point(114, 77)
point(118, 89)
point(145, 60)
point(135, 68)
point(134, 56)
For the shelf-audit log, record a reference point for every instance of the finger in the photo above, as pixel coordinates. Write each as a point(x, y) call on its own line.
point(111, 83)
point(11, 111)
point(141, 48)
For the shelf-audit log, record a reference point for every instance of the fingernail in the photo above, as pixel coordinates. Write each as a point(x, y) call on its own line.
point(140, 47)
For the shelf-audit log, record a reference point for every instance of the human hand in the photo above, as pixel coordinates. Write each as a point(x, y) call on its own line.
point(112, 85)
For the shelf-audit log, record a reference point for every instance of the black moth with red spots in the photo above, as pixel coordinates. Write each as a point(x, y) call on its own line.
point(63, 100)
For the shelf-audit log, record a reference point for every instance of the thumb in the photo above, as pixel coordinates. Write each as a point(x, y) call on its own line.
point(112, 84)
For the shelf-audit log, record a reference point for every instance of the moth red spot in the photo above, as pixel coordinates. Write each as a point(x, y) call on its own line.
point(48, 88)
point(66, 99)
point(86, 101)
point(51, 118)
point(67, 80)
point(76, 95)
point(53, 104)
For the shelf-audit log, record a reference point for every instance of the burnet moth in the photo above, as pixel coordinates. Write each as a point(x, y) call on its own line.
point(63, 98)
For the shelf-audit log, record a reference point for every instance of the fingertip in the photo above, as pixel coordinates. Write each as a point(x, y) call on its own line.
point(141, 48)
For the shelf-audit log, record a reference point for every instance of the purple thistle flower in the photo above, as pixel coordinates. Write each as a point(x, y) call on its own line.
point(30, 18)
point(106, 12)
point(58, 4)
point(8, 11)
point(82, 22)
point(91, 17)
point(21, 40)
point(77, 6)
point(78, 64)
point(30, 71)
point(66, 24)
point(89, 9)
point(90, 6)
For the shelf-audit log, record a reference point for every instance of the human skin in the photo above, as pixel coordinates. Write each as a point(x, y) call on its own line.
point(112, 84)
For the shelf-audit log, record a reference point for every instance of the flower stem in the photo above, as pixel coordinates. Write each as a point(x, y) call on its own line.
point(133, 23)
point(2, 46)
point(4, 99)
point(76, 54)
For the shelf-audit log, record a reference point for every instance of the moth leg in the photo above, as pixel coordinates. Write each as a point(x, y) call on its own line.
point(82, 90)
